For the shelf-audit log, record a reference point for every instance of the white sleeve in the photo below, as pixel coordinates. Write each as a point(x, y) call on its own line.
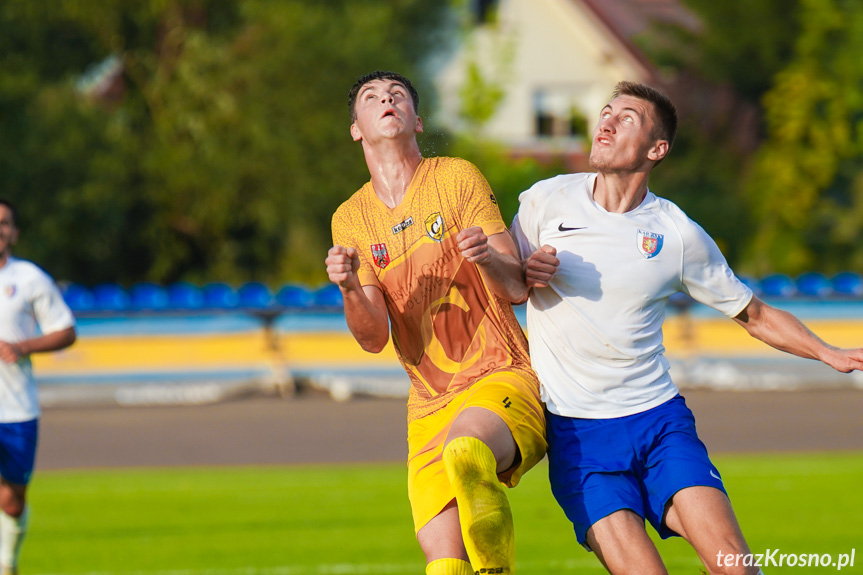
point(52, 313)
point(526, 224)
point(706, 274)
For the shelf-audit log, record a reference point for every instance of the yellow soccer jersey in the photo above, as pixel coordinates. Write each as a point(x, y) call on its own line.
point(448, 329)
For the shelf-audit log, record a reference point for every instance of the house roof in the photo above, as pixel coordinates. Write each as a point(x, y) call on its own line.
point(626, 19)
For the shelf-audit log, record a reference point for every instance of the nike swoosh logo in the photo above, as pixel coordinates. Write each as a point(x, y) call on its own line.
point(560, 228)
point(714, 476)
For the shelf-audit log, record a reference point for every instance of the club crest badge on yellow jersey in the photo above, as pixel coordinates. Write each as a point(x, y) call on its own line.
point(435, 227)
point(380, 255)
point(649, 243)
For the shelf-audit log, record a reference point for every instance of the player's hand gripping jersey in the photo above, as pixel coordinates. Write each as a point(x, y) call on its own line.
point(448, 329)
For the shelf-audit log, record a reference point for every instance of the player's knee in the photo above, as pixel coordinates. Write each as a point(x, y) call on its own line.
point(468, 455)
point(11, 503)
point(13, 507)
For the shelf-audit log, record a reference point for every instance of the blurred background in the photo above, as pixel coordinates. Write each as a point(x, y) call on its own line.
point(176, 163)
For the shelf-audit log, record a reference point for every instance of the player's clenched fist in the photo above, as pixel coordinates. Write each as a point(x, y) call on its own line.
point(541, 266)
point(342, 265)
point(9, 353)
point(473, 245)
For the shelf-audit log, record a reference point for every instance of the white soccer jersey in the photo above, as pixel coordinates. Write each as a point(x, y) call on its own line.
point(30, 303)
point(595, 332)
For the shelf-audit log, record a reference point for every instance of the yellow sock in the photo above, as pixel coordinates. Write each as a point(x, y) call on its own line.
point(483, 509)
point(449, 567)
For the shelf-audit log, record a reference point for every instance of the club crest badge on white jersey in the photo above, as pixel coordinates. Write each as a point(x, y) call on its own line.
point(649, 243)
point(10, 290)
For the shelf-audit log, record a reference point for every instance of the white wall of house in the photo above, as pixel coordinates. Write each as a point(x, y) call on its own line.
point(562, 56)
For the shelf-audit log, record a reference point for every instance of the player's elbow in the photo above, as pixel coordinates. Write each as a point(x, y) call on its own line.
point(520, 297)
point(66, 338)
point(373, 341)
point(374, 346)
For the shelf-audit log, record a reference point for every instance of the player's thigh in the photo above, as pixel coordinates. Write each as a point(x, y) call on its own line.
point(704, 517)
point(489, 428)
point(18, 443)
point(504, 411)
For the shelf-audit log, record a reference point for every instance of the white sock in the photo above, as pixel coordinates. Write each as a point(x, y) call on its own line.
point(12, 531)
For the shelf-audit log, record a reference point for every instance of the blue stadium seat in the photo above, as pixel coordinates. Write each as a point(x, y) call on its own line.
point(751, 283)
point(847, 284)
point(329, 296)
point(79, 298)
point(255, 295)
point(295, 296)
point(147, 296)
point(778, 285)
point(813, 284)
point(184, 296)
point(110, 297)
point(680, 300)
point(220, 296)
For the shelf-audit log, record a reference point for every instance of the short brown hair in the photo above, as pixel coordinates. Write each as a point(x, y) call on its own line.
point(666, 113)
point(380, 75)
point(12, 209)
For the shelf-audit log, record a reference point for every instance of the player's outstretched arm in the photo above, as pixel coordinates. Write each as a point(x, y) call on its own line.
point(53, 341)
point(365, 308)
point(785, 332)
point(541, 266)
point(497, 259)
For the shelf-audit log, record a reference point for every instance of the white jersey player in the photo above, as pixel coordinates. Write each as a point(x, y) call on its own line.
point(33, 318)
point(602, 255)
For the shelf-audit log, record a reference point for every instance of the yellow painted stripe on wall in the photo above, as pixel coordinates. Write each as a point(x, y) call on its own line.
point(214, 351)
point(211, 352)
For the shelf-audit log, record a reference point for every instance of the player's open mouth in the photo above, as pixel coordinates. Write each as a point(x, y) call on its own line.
point(389, 112)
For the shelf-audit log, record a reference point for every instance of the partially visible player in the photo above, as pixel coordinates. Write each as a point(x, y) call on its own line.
point(422, 248)
point(33, 319)
point(603, 254)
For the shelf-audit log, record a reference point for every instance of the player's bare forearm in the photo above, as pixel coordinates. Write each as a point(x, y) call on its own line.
point(365, 308)
point(366, 315)
point(496, 258)
point(783, 331)
point(54, 341)
point(505, 276)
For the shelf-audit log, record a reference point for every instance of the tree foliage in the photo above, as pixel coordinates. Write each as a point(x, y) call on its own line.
point(720, 71)
point(221, 152)
point(805, 186)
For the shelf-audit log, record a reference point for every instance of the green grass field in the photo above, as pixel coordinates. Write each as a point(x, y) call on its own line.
point(355, 519)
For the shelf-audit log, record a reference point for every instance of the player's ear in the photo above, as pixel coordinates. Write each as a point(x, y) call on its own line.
point(419, 126)
point(355, 133)
point(658, 151)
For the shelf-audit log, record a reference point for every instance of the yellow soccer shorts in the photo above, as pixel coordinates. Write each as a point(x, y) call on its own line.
point(512, 396)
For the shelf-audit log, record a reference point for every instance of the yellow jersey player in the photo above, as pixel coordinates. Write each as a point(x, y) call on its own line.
point(421, 250)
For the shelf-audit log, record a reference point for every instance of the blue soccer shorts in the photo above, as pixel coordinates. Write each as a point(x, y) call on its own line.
point(637, 462)
point(18, 450)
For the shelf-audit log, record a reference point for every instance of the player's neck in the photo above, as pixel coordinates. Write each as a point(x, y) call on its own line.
point(620, 193)
point(4, 258)
point(392, 169)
